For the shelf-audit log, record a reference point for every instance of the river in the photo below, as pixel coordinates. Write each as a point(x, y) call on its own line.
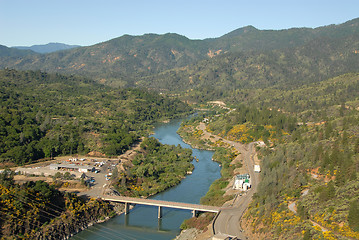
point(142, 222)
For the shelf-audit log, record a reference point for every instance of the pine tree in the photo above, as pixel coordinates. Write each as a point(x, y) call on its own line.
point(353, 216)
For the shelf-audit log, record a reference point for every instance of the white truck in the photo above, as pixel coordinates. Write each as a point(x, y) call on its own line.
point(257, 168)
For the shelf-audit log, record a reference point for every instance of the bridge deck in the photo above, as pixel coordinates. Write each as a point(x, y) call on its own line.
point(160, 203)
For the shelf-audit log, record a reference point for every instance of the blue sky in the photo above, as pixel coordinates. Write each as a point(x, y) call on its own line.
point(29, 22)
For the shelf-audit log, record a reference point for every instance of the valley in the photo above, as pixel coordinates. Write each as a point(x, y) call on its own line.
point(286, 100)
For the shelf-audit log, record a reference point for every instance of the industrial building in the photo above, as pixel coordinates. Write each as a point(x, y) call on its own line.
point(242, 182)
point(72, 167)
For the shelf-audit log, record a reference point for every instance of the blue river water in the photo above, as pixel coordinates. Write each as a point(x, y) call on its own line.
point(142, 222)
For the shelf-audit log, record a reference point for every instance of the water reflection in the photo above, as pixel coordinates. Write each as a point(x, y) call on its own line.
point(142, 221)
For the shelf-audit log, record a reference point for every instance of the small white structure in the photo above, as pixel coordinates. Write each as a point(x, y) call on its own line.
point(257, 168)
point(71, 167)
point(242, 182)
point(260, 143)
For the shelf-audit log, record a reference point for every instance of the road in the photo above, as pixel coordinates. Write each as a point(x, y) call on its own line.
point(98, 186)
point(228, 221)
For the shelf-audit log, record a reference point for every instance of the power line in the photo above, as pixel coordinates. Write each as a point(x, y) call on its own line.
point(47, 213)
point(129, 236)
point(110, 232)
point(33, 226)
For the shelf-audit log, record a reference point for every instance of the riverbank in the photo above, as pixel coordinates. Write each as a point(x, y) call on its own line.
point(118, 209)
point(241, 161)
point(142, 222)
point(66, 231)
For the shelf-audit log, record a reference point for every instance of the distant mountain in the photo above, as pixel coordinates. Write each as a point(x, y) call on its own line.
point(249, 38)
point(48, 48)
point(287, 68)
point(12, 52)
point(119, 60)
point(172, 61)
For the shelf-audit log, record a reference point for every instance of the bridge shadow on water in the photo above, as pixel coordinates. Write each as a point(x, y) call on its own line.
point(146, 216)
point(142, 221)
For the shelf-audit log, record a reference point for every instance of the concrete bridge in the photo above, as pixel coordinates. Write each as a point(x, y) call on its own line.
point(160, 204)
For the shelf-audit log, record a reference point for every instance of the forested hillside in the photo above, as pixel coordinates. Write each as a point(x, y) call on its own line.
point(117, 62)
point(48, 48)
point(314, 169)
point(246, 57)
point(43, 115)
point(296, 90)
point(36, 210)
point(10, 53)
point(311, 102)
point(310, 161)
point(156, 168)
point(315, 61)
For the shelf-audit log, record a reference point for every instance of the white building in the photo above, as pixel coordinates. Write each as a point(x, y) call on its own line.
point(242, 182)
point(72, 167)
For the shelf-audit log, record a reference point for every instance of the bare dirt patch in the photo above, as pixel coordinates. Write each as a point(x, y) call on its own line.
point(6, 165)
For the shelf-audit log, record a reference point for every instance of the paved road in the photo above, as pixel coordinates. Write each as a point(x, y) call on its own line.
point(228, 221)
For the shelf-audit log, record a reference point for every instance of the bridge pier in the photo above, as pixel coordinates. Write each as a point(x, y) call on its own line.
point(159, 212)
point(127, 208)
point(195, 208)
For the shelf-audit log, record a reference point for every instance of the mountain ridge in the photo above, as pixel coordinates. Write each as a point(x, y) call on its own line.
point(47, 48)
point(128, 60)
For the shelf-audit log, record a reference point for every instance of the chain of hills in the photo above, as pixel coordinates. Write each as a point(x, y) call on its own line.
point(295, 89)
point(244, 58)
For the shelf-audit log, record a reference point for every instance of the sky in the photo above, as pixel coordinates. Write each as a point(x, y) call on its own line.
point(87, 22)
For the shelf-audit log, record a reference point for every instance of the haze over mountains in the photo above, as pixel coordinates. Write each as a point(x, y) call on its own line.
point(295, 90)
point(48, 48)
point(246, 57)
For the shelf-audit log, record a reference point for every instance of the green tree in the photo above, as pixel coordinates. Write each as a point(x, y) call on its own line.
point(353, 216)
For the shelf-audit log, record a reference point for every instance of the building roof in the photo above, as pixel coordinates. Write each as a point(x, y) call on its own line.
point(242, 176)
point(70, 166)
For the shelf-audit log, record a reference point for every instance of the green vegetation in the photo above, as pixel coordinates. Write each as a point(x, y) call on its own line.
point(244, 58)
point(321, 158)
point(191, 135)
point(313, 164)
point(37, 210)
point(224, 154)
point(310, 102)
point(43, 115)
point(215, 195)
point(155, 169)
point(296, 90)
point(227, 74)
point(247, 124)
point(201, 222)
